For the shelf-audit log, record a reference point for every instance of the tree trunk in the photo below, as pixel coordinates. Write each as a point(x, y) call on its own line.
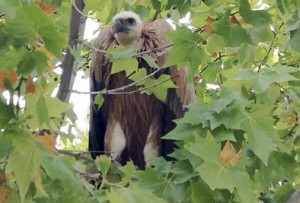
point(69, 66)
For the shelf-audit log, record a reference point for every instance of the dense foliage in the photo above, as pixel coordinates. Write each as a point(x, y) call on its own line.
point(239, 143)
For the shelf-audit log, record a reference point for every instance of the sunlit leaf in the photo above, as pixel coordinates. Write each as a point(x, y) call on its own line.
point(260, 133)
point(42, 111)
point(294, 43)
point(103, 164)
point(254, 17)
point(128, 65)
point(260, 81)
point(159, 86)
point(186, 48)
point(25, 166)
point(233, 35)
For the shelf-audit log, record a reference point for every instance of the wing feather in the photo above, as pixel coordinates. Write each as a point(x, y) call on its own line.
point(99, 75)
point(185, 93)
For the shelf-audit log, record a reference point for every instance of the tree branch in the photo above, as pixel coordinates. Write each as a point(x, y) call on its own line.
point(81, 13)
point(68, 65)
point(116, 91)
point(76, 155)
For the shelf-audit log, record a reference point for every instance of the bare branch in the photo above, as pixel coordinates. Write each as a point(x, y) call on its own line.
point(154, 50)
point(134, 55)
point(76, 155)
point(94, 48)
point(81, 13)
point(116, 91)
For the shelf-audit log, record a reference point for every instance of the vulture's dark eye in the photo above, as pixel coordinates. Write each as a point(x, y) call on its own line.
point(131, 21)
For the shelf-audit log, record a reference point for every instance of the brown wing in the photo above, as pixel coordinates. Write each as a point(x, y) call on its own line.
point(153, 38)
point(184, 94)
point(98, 77)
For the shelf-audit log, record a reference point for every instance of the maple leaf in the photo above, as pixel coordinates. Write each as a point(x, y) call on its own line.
point(48, 8)
point(30, 86)
point(2, 176)
point(49, 56)
point(234, 20)
point(10, 75)
point(207, 27)
point(5, 193)
point(228, 155)
point(47, 140)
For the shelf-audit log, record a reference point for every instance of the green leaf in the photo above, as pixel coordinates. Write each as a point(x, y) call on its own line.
point(260, 134)
point(260, 81)
point(233, 35)
point(215, 174)
point(247, 54)
point(6, 114)
point(99, 100)
point(129, 65)
point(294, 42)
point(30, 21)
point(159, 87)
point(9, 59)
point(215, 43)
point(32, 60)
point(5, 146)
point(183, 171)
point(184, 131)
point(201, 193)
point(128, 171)
point(44, 26)
point(283, 192)
point(138, 75)
point(257, 18)
point(103, 164)
point(9, 7)
point(19, 29)
point(261, 34)
point(56, 106)
point(61, 171)
point(186, 49)
point(134, 194)
point(42, 111)
point(25, 165)
point(150, 61)
point(119, 52)
point(225, 109)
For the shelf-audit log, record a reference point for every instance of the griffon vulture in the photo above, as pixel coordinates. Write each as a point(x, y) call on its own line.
point(129, 126)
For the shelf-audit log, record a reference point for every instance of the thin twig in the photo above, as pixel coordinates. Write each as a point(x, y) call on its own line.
point(77, 155)
point(140, 89)
point(113, 92)
point(136, 82)
point(81, 13)
point(134, 55)
point(94, 48)
point(154, 50)
point(272, 43)
point(116, 90)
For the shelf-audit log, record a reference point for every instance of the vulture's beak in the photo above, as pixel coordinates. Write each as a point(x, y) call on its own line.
point(120, 25)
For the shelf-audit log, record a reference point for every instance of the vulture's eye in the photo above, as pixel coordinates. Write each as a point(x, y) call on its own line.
point(131, 21)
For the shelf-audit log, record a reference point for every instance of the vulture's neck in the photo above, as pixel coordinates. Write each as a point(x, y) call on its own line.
point(127, 40)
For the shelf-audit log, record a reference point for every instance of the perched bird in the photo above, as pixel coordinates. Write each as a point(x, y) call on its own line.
point(129, 126)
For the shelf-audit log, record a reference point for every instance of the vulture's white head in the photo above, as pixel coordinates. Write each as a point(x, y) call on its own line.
point(127, 28)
